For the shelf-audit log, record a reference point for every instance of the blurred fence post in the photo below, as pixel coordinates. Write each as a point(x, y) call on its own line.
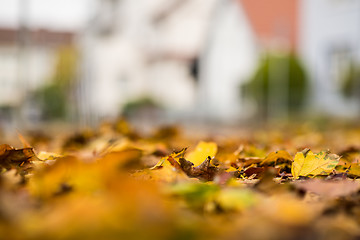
point(22, 69)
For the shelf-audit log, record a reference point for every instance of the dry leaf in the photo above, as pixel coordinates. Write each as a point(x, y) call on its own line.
point(313, 164)
point(201, 152)
point(277, 157)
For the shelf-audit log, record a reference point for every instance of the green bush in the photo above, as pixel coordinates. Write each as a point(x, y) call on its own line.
point(351, 83)
point(138, 105)
point(53, 98)
point(286, 74)
point(53, 102)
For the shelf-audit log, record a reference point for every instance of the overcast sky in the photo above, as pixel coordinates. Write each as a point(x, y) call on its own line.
point(56, 14)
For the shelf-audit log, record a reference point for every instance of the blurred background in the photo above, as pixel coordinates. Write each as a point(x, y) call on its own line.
point(169, 61)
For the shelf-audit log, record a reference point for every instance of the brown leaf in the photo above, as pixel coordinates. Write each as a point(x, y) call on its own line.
point(205, 171)
point(244, 162)
point(174, 163)
point(267, 183)
point(254, 170)
point(11, 158)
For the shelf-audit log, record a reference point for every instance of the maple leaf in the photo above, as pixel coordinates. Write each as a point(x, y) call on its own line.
point(311, 164)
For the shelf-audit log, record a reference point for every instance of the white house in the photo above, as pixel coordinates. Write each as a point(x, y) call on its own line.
point(228, 59)
point(324, 33)
point(242, 30)
point(134, 49)
point(329, 43)
point(26, 67)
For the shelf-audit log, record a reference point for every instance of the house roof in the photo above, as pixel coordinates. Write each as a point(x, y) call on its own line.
point(36, 36)
point(274, 21)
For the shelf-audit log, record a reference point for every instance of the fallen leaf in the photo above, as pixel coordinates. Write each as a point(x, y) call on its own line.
point(48, 156)
point(205, 171)
point(244, 162)
point(201, 152)
point(16, 158)
point(313, 164)
point(197, 195)
point(353, 170)
point(257, 171)
point(125, 159)
point(286, 209)
point(277, 157)
point(235, 199)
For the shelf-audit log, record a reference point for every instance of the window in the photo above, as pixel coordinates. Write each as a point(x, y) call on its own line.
point(340, 63)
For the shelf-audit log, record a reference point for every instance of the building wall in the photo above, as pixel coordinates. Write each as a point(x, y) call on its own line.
point(22, 72)
point(27, 62)
point(146, 51)
point(228, 61)
point(9, 94)
point(329, 37)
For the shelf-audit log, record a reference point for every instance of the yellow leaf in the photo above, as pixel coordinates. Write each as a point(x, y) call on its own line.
point(354, 170)
point(201, 152)
point(277, 156)
point(288, 209)
point(236, 199)
point(175, 155)
point(124, 159)
point(48, 156)
point(313, 164)
point(164, 171)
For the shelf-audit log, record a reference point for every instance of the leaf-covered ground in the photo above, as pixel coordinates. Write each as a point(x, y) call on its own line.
point(297, 182)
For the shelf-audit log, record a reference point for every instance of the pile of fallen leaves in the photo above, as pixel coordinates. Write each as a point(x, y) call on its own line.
point(114, 183)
